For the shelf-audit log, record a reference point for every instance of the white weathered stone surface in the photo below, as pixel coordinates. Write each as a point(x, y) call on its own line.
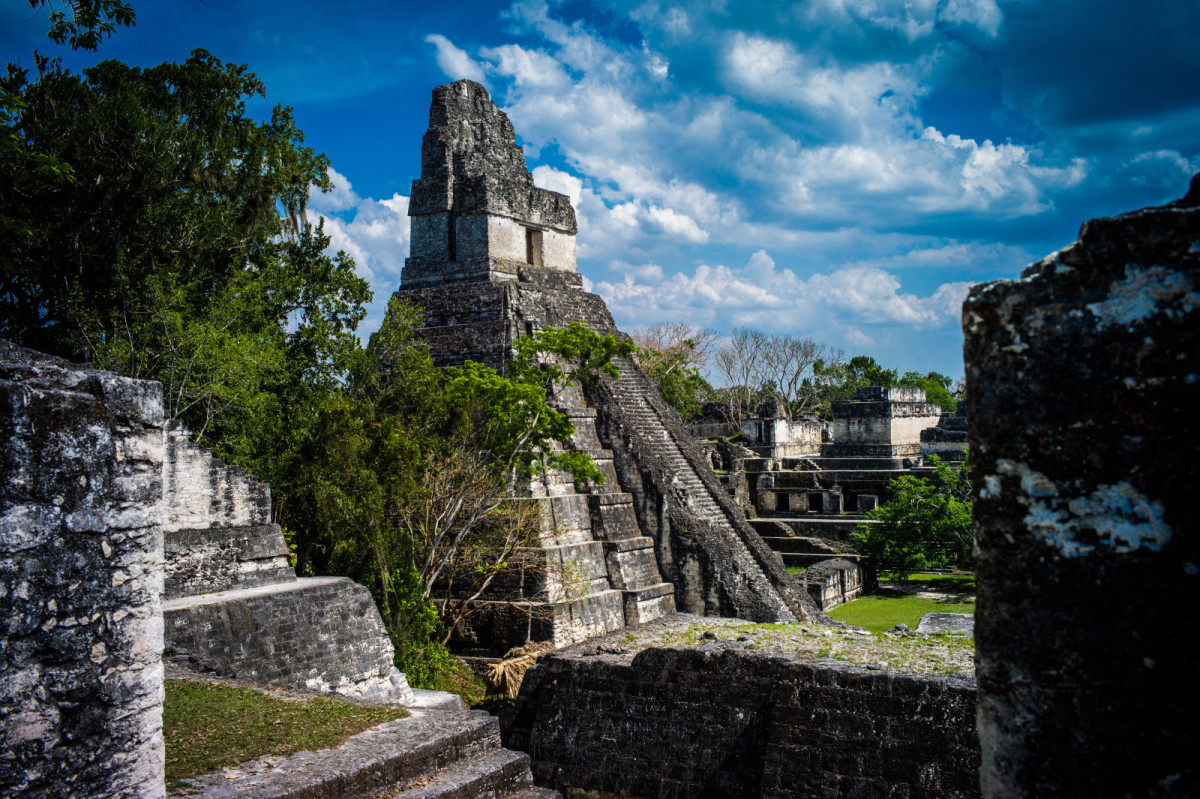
point(81, 581)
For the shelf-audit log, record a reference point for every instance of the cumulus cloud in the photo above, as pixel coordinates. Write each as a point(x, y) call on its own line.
point(375, 233)
point(846, 300)
point(454, 61)
point(857, 139)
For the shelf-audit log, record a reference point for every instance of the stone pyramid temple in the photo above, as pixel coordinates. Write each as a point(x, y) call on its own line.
point(492, 259)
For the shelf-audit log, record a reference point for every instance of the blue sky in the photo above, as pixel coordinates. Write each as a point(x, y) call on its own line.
point(836, 168)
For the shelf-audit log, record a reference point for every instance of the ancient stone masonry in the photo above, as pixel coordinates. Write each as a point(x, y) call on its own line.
point(234, 602)
point(493, 259)
point(806, 493)
point(881, 423)
point(80, 581)
point(475, 211)
point(94, 480)
point(1084, 388)
point(217, 527)
point(723, 720)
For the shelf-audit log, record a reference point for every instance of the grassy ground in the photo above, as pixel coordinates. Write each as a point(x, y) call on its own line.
point(935, 654)
point(903, 604)
point(210, 727)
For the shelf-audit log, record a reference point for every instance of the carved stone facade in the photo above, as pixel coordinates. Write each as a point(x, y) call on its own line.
point(475, 211)
point(668, 535)
point(881, 423)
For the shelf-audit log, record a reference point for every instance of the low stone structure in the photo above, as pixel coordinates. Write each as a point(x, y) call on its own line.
point(947, 624)
point(881, 422)
point(80, 580)
point(771, 433)
point(948, 438)
point(660, 532)
point(1082, 381)
point(233, 600)
point(834, 582)
point(93, 480)
point(726, 719)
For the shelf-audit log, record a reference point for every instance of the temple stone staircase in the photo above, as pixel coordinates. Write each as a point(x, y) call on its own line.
point(434, 754)
point(747, 572)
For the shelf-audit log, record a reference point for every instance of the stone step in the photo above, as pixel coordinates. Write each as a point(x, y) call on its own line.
point(808, 544)
point(378, 762)
point(806, 559)
point(496, 773)
point(535, 793)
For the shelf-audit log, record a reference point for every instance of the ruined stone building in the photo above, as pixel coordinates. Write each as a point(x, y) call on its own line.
point(807, 488)
point(120, 535)
point(493, 258)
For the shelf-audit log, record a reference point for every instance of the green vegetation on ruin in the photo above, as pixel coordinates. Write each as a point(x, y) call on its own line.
point(933, 654)
point(209, 727)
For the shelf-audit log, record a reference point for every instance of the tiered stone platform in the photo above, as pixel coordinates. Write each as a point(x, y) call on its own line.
point(659, 532)
point(232, 598)
point(434, 754)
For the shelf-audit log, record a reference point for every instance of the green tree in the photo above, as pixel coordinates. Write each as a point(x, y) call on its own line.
point(176, 251)
point(83, 24)
point(673, 356)
point(926, 525)
point(937, 388)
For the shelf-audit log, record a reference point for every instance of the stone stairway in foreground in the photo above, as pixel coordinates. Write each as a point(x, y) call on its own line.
point(433, 754)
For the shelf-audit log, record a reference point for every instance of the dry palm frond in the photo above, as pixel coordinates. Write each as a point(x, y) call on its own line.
point(507, 673)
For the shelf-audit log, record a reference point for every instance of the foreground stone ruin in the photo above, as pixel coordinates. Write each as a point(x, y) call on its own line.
point(1084, 383)
point(81, 580)
point(94, 481)
point(1084, 389)
point(493, 258)
point(734, 714)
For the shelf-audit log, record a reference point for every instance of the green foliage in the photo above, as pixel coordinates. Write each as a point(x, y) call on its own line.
point(937, 388)
point(926, 525)
point(86, 22)
point(171, 181)
point(575, 353)
point(833, 381)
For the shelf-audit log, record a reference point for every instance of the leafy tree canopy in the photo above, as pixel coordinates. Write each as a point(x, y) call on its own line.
point(937, 388)
point(83, 24)
point(927, 524)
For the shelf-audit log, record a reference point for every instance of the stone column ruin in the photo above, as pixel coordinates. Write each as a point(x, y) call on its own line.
point(1083, 384)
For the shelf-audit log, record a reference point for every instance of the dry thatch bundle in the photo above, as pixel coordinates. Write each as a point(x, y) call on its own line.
point(506, 674)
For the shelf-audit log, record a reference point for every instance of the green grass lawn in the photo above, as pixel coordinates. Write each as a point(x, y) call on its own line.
point(209, 727)
point(888, 607)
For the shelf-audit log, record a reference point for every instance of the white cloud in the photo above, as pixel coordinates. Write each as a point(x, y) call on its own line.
point(841, 304)
point(531, 68)
point(454, 61)
point(375, 233)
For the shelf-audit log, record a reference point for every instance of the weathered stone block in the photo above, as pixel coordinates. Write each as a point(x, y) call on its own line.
point(80, 579)
point(320, 634)
point(725, 721)
point(1083, 391)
